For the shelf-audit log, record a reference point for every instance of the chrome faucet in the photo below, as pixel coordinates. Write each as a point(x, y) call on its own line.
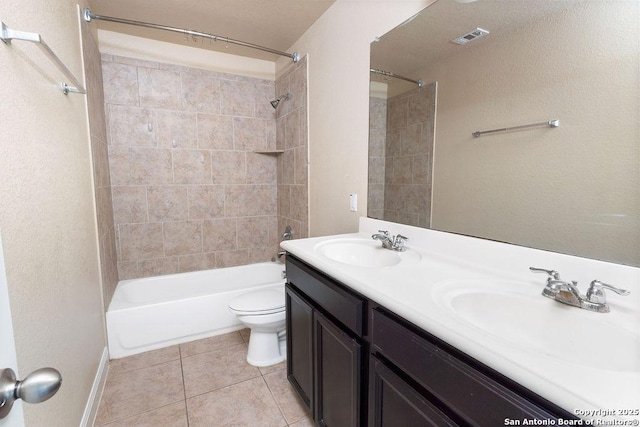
point(568, 292)
point(395, 243)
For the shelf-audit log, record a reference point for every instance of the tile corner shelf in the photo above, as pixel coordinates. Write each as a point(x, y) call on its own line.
point(271, 152)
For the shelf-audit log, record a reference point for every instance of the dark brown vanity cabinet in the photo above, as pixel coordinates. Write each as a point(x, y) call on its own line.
point(355, 363)
point(455, 389)
point(325, 350)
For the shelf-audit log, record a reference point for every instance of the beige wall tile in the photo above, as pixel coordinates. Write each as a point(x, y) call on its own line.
point(232, 258)
point(158, 266)
point(196, 262)
point(292, 130)
point(104, 209)
point(229, 167)
point(131, 126)
point(219, 235)
point(255, 232)
point(119, 165)
point(150, 166)
point(159, 88)
point(250, 200)
point(264, 94)
point(262, 168)
point(192, 166)
point(120, 83)
point(167, 203)
point(128, 270)
point(215, 132)
point(176, 129)
point(200, 93)
point(182, 237)
point(140, 241)
point(129, 204)
point(206, 201)
point(176, 138)
point(299, 203)
point(300, 165)
point(238, 98)
point(249, 134)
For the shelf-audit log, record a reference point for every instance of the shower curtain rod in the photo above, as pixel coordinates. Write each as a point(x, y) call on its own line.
point(420, 83)
point(88, 16)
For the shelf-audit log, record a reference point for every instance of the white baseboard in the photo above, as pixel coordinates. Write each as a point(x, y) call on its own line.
point(91, 410)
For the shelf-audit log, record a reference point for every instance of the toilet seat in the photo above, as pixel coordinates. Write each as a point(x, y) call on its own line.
point(267, 301)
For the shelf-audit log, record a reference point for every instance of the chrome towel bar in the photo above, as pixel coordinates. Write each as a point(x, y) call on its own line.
point(8, 35)
point(550, 123)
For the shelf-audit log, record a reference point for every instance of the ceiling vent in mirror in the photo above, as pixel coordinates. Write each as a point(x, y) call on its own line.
point(471, 35)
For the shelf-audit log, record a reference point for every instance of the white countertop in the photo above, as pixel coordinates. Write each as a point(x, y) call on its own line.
point(413, 289)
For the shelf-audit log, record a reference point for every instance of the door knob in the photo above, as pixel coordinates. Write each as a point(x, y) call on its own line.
point(37, 387)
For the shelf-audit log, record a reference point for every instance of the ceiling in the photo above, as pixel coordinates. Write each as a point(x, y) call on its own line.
point(426, 39)
point(276, 24)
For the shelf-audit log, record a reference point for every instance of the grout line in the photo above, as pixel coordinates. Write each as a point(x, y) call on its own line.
point(184, 389)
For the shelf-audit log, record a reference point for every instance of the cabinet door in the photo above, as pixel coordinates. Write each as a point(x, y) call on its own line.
point(394, 403)
point(338, 386)
point(300, 346)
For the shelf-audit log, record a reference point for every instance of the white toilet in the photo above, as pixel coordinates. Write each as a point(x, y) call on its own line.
point(263, 312)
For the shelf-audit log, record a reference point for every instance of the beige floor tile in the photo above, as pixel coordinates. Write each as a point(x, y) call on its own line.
point(174, 415)
point(209, 344)
point(285, 396)
point(245, 404)
point(264, 370)
point(245, 333)
point(306, 422)
point(140, 390)
point(144, 360)
point(216, 369)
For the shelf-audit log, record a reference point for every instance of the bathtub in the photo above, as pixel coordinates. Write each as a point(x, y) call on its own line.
point(156, 312)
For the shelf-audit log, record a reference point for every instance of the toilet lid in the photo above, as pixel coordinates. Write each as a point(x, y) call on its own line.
point(263, 302)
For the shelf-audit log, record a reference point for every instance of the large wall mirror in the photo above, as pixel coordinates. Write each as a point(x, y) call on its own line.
point(572, 188)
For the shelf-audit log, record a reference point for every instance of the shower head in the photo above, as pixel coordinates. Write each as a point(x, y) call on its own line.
point(276, 101)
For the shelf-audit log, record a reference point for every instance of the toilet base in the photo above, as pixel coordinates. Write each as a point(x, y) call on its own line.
point(266, 348)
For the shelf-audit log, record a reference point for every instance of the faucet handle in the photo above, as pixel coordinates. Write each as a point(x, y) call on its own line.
point(398, 242)
point(385, 232)
point(553, 275)
point(596, 291)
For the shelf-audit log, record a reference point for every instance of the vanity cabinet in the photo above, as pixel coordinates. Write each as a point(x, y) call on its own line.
point(325, 348)
point(466, 391)
point(353, 362)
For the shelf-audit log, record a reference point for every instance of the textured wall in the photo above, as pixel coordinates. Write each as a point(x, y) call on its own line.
point(189, 190)
point(571, 189)
point(48, 217)
point(337, 45)
point(292, 138)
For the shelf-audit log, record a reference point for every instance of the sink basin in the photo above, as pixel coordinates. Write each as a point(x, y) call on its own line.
point(364, 253)
point(516, 314)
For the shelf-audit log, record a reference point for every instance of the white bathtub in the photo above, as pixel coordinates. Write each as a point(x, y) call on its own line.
point(155, 312)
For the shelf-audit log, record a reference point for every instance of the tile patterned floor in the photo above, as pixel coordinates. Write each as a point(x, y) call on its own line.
point(205, 383)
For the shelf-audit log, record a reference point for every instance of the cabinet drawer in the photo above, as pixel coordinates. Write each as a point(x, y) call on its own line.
point(344, 306)
point(471, 395)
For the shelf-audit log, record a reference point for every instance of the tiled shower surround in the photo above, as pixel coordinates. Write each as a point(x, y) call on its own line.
point(191, 188)
point(407, 150)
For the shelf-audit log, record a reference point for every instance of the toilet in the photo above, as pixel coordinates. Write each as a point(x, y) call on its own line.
point(263, 312)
